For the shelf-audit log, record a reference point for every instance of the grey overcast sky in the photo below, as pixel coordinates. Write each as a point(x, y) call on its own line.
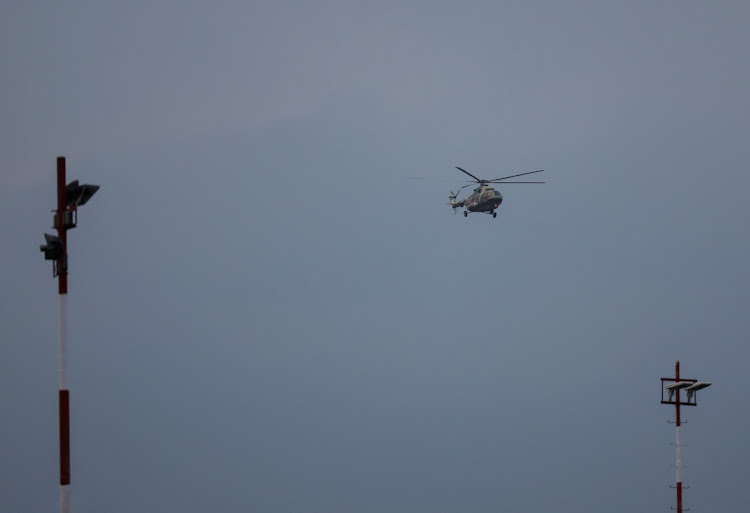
point(265, 315)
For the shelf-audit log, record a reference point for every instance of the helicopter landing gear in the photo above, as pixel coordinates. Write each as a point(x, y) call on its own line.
point(465, 213)
point(494, 215)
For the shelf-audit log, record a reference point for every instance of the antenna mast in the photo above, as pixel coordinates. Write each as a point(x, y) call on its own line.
point(673, 388)
point(69, 198)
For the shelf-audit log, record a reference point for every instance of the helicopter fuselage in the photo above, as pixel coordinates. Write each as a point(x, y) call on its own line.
point(484, 199)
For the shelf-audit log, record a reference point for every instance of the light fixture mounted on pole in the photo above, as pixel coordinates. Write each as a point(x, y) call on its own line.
point(69, 198)
point(672, 387)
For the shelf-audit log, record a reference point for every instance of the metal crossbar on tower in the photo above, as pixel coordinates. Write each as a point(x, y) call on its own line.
point(673, 387)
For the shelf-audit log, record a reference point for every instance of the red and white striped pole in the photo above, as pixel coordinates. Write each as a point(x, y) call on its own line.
point(64, 394)
point(677, 436)
point(69, 197)
point(674, 388)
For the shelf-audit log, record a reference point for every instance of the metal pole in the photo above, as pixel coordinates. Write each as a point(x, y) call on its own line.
point(674, 389)
point(677, 436)
point(64, 394)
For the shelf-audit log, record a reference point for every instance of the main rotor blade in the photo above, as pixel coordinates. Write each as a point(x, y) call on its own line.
point(503, 183)
point(474, 177)
point(513, 176)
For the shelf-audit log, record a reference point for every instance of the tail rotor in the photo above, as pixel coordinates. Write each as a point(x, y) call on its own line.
point(452, 199)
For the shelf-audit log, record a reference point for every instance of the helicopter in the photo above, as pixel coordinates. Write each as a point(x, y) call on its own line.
point(484, 198)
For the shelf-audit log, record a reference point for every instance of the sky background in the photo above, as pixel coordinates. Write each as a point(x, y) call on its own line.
point(266, 315)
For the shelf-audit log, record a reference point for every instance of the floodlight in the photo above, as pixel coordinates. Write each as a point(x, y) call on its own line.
point(698, 386)
point(677, 386)
point(53, 248)
point(79, 194)
point(695, 387)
